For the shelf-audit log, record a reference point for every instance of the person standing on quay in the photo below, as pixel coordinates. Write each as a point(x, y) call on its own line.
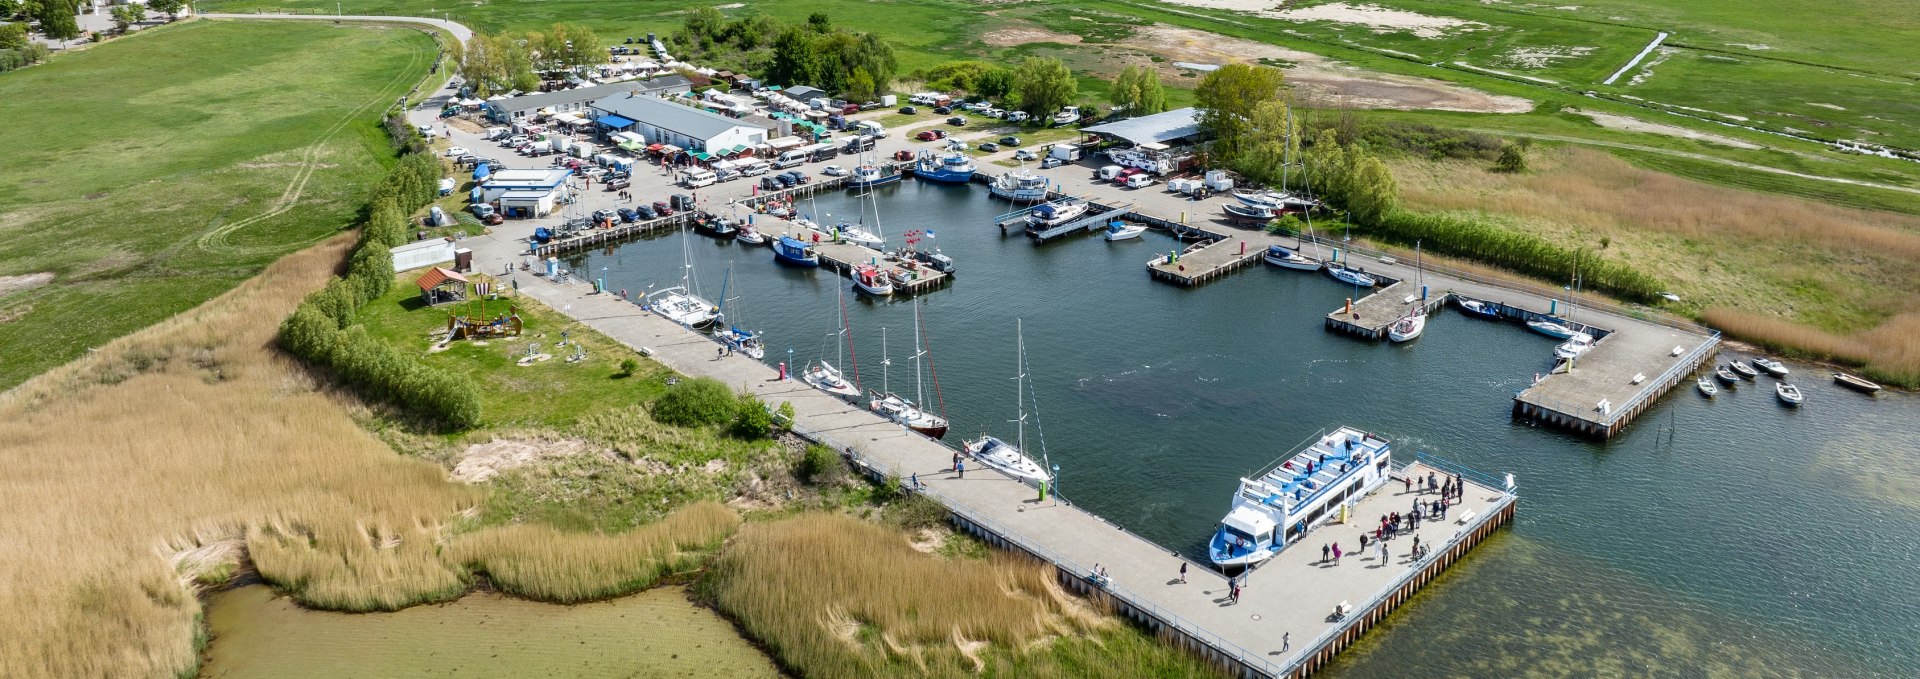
point(1325, 555)
point(1286, 641)
point(1183, 572)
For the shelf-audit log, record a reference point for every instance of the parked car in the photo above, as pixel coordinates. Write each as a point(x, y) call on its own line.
point(1017, 116)
point(957, 121)
point(1051, 162)
point(785, 181)
point(604, 215)
point(769, 184)
point(628, 215)
point(456, 152)
point(1024, 154)
point(516, 141)
point(618, 184)
point(646, 212)
point(931, 135)
point(833, 171)
point(956, 145)
point(989, 147)
point(942, 110)
point(869, 105)
point(1009, 140)
point(661, 208)
point(909, 110)
point(850, 109)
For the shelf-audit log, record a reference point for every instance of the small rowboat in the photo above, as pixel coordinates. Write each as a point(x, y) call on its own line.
point(1744, 370)
point(1789, 394)
point(1772, 367)
point(1726, 375)
point(1706, 387)
point(1856, 383)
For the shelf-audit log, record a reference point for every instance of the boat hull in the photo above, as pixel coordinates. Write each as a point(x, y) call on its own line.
point(870, 183)
point(1407, 331)
point(1478, 310)
point(1351, 277)
point(1297, 262)
point(1554, 330)
point(944, 176)
point(1127, 233)
point(1858, 384)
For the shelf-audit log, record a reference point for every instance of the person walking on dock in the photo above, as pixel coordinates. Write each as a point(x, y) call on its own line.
point(1363, 542)
point(960, 468)
point(1385, 559)
point(1286, 641)
point(1336, 554)
point(1407, 482)
point(1183, 572)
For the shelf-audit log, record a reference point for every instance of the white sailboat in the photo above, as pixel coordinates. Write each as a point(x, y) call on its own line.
point(1011, 458)
point(1410, 326)
point(682, 304)
point(822, 375)
point(896, 408)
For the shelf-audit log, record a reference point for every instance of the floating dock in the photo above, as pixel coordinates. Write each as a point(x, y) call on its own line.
point(842, 257)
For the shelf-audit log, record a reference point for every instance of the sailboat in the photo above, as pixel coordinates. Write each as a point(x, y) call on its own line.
point(1010, 458)
point(735, 337)
point(907, 413)
point(1411, 325)
point(682, 303)
point(822, 375)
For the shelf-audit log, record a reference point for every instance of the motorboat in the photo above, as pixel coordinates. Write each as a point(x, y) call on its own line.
point(743, 342)
point(1745, 371)
point(1118, 230)
point(1789, 394)
point(869, 176)
point(909, 415)
point(1551, 328)
point(1576, 346)
point(790, 250)
point(1474, 307)
point(823, 376)
point(680, 306)
point(872, 280)
point(1856, 383)
point(1726, 376)
point(1277, 506)
point(858, 235)
point(1267, 201)
point(1706, 387)
point(1772, 367)
point(1247, 213)
point(749, 235)
point(1019, 186)
point(1407, 328)
point(1055, 214)
point(949, 168)
point(1350, 276)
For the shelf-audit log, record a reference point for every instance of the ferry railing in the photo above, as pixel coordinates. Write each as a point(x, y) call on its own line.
point(1239, 654)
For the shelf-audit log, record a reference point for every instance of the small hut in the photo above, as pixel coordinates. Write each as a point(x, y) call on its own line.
point(440, 285)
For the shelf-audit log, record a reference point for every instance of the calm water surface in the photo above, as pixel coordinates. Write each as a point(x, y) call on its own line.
point(1730, 537)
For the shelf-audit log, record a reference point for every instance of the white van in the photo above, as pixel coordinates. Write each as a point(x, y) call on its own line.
point(792, 158)
point(753, 167)
point(870, 128)
point(694, 179)
point(1107, 173)
point(1139, 180)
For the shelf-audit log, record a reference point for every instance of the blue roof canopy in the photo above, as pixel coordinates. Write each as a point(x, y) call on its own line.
point(615, 121)
point(480, 171)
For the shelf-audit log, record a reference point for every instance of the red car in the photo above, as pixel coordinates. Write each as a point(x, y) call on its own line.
point(932, 135)
point(661, 207)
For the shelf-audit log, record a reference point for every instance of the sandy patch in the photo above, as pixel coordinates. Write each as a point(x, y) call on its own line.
point(1318, 80)
point(1619, 122)
point(928, 540)
point(12, 284)
point(1495, 71)
point(1540, 57)
point(971, 649)
point(1810, 103)
point(1379, 19)
point(1751, 46)
point(1023, 35)
point(483, 461)
point(1660, 56)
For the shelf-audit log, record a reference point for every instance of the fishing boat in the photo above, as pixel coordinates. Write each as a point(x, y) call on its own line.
point(1706, 387)
point(821, 374)
point(749, 235)
point(1281, 502)
point(1011, 458)
point(948, 168)
point(1550, 327)
point(897, 408)
point(1745, 371)
point(1019, 186)
point(1574, 347)
point(1772, 367)
point(790, 250)
point(1247, 214)
point(1350, 276)
point(1474, 307)
point(869, 176)
point(1054, 214)
point(1119, 230)
point(1789, 394)
point(1726, 376)
point(1288, 258)
point(1856, 383)
point(872, 280)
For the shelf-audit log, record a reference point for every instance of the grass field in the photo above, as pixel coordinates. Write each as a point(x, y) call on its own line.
point(149, 174)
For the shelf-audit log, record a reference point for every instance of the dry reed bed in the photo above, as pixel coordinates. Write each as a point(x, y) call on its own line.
point(834, 596)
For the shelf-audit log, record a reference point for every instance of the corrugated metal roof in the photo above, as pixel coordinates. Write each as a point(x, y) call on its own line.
point(436, 276)
point(667, 115)
point(1159, 127)
point(531, 102)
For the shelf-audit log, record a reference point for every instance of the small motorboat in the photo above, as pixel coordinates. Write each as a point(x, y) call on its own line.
point(750, 236)
point(1350, 276)
point(1407, 328)
point(1706, 387)
point(1289, 259)
point(1118, 230)
point(1789, 394)
point(1726, 375)
point(1055, 214)
point(1772, 367)
point(825, 377)
point(790, 250)
point(1550, 328)
point(1475, 307)
point(1744, 370)
point(1856, 383)
point(872, 280)
point(1576, 346)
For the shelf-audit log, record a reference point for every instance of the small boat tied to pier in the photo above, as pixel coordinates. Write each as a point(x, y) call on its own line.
point(1298, 492)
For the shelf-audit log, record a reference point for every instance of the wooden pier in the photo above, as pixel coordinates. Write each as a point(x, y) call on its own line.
point(593, 237)
point(842, 257)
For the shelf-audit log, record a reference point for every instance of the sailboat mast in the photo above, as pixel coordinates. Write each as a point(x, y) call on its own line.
point(840, 334)
point(846, 327)
point(884, 362)
point(919, 396)
point(1020, 385)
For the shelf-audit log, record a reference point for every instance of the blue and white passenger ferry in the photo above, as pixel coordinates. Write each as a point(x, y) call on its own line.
point(949, 168)
point(1301, 490)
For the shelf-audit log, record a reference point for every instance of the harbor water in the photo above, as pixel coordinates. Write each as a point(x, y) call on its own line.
point(1724, 537)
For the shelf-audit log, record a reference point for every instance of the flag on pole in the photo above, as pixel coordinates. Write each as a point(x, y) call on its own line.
point(929, 233)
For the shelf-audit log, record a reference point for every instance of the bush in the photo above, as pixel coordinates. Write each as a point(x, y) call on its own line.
point(820, 464)
point(338, 301)
point(1512, 160)
point(308, 333)
point(751, 419)
point(371, 271)
point(1287, 225)
point(628, 366)
point(695, 403)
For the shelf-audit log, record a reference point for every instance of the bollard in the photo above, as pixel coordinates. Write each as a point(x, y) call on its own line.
point(1423, 292)
point(1349, 305)
point(783, 371)
point(1553, 307)
point(1243, 247)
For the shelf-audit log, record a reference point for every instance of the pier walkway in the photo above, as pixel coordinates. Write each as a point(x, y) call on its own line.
point(1293, 594)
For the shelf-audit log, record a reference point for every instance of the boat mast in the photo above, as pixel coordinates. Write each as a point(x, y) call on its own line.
point(884, 362)
point(1020, 385)
point(846, 328)
point(919, 396)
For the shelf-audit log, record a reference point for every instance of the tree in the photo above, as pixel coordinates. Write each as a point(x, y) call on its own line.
point(57, 20)
point(1226, 99)
point(860, 85)
point(628, 366)
point(1044, 85)
point(13, 36)
point(1371, 190)
point(1272, 139)
point(705, 22)
point(819, 23)
point(9, 8)
point(1512, 160)
point(171, 8)
point(575, 46)
point(125, 16)
point(1137, 90)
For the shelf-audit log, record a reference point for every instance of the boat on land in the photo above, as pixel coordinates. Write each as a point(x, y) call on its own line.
point(1267, 202)
point(1055, 214)
point(897, 408)
point(1551, 328)
point(1474, 307)
point(1011, 458)
point(1119, 230)
point(1282, 502)
point(952, 167)
point(1744, 370)
point(1350, 276)
point(1772, 367)
point(1856, 383)
point(872, 280)
point(790, 250)
point(1706, 387)
point(1288, 258)
point(821, 374)
point(1726, 376)
point(1019, 186)
point(1576, 346)
point(1246, 214)
point(1789, 394)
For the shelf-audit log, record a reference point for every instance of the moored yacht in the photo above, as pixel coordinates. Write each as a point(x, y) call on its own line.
point(823, 376)
point(1551, 328)
point(1288, 258)
point(1055, 214)
point(1350, 276)
point(1407, 328)
point(1019, 186)
point(1119, 230)
point(680, 306)
point(1576, 346)
point(790, 250)
point(952, 167)
point(1301, 490)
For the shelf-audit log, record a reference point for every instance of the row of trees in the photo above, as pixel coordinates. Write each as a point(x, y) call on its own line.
point(58, 18)
point(860, 66)
point(1137, 91)
point(977, 78)
point(502, 63)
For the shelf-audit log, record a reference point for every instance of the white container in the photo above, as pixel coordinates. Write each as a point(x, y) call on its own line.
point(1219, 181)
point(889, 100)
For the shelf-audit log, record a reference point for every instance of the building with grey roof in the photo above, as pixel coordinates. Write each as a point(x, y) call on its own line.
point(665, 122)
point(580, 98)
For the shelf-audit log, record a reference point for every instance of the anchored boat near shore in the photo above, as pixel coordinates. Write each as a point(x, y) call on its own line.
point(1301, 490)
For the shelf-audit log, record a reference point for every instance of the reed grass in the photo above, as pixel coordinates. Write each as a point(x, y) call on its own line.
point(543, 563)
point(1889, 353)
point(834, 596)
